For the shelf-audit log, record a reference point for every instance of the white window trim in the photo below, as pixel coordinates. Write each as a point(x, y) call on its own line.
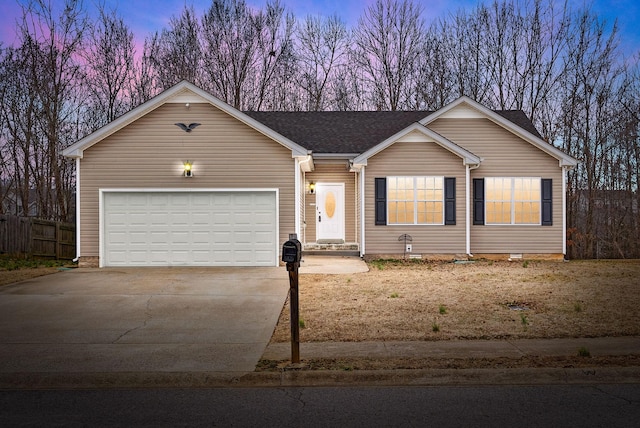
point(415, 200)
point(513, 204)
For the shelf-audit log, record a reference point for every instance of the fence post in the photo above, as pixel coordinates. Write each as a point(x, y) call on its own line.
point(58, 241)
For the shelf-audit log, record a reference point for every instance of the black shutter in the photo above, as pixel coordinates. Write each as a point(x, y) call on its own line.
point(381, 201)
point(449, 200)
point(478, 201)
point(547, 212)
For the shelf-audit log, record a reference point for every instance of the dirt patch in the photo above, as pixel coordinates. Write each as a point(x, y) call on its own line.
point(12, 276)
point(481, 300)
point(349, 364)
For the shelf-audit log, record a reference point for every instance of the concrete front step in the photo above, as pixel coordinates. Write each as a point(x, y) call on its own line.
point(318, 249)
point(346, 253)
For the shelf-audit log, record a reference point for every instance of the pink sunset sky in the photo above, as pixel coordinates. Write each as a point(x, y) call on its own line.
point(146, 16)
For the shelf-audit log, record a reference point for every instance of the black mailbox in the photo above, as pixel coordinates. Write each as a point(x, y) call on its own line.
point(292, 251)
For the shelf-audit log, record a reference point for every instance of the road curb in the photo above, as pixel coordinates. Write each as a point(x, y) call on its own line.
point(319, 378)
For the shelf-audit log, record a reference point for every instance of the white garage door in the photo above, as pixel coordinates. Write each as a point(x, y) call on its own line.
point(213, 228)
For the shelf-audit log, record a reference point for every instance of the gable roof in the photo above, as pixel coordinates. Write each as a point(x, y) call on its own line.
point(504, 120)
point(467, 157)
point(178, 93)
point(354, 132)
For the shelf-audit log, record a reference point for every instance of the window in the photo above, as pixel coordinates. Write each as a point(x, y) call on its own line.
point(415, 200)
point(510, 200)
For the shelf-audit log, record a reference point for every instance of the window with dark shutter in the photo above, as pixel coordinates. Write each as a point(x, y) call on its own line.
point(449, 200)
point(547, 211)
point(478, 201)
point(381, 201)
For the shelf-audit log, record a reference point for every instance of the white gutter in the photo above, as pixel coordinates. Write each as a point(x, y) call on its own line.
point(77, 210)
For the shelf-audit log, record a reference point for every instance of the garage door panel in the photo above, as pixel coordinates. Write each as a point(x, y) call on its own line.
point(190, 228)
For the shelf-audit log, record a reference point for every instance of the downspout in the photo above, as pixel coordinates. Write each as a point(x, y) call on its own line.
point(467, 206)
point(356, 190)
point(564, 211)
point(77, 210)
point(362, 212)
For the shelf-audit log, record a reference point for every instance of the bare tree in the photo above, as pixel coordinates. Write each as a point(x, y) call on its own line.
point(51, 46)
point(388, 40)
point(175, 53)
point(434, 80)
point(230, 46)
point(321, 46)
point(463, 42)
point(19, 117)
point(590, 107)
point(110, 58)
point(275, 52)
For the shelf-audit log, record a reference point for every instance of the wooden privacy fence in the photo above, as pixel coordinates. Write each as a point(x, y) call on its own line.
point(32, 237)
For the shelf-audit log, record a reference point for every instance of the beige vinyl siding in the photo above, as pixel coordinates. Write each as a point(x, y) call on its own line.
point(332, 172)
point(506, 155)
point(414, 159)
point(149, 154)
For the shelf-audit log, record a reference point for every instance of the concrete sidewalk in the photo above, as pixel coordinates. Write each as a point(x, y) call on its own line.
point(200, 377)
point(602, 346)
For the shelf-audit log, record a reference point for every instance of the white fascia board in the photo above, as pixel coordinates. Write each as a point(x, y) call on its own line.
point(467, 156)
point(345, 156)
point(562, 157)
point(76, 150)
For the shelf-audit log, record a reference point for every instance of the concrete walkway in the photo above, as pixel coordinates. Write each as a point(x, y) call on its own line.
point(332, 265)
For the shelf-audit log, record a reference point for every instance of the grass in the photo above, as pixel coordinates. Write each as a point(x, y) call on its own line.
point(14, 269)
point(10, 263)
point(584, 352)
point(524, 320)
point(554, 294)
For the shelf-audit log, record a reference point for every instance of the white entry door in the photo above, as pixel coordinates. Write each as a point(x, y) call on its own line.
point(330, 211)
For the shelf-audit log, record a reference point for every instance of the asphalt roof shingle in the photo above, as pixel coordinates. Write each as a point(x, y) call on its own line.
point(352, 132)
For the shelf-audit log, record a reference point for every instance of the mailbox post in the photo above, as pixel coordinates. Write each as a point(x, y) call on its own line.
point(291, 255)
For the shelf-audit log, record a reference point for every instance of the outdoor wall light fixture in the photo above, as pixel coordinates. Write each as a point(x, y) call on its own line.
point(312, 187)
point(188, 168)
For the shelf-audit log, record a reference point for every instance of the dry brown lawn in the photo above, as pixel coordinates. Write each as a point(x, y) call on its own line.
point(444, 301)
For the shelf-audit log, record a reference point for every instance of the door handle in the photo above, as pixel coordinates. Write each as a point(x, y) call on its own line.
point(319, 218)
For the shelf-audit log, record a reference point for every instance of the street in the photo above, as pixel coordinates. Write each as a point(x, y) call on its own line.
point(404, 406)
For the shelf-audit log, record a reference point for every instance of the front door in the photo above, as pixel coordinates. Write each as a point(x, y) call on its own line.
point(330, 212)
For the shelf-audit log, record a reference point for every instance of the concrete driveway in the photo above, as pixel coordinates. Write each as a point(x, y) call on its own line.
point(140, 320)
